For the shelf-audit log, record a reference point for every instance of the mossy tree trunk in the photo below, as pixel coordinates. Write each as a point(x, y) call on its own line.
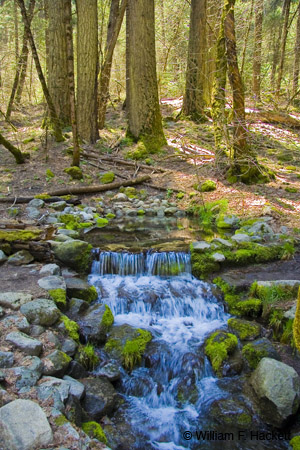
point(214, 11)
point(116, 16)
point(259, 8)
point(193, 100)
point(144, 117)
point(296, 324)
point(87, 69)
point(286, 14)
point(53, 116)
point(19, 157)
point(297, 56)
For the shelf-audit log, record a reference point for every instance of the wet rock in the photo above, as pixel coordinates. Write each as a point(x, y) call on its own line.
point(110, 371)
point(225, 222)
point(41, 311)
point(77, 307)
point(254, 351)
point(233, 365)
point(244, 330)
point(76, 370)
point(56, 363)
point(3, 257)
point(16, 321)
point(50, 269)
point(277, 388)
point(260, 227)
point(20, 258)
point(73, 411)
point(231, 413)
point(77, 389)
point(100, 399)
point(25, 343)
point(14, 300)
point(24, 426)
point(69, 346)
point(75, 254)
point(80, 289)
point(6, 359)
point(93, 324)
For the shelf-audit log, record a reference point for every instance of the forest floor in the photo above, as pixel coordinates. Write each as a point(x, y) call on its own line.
point(188, 160)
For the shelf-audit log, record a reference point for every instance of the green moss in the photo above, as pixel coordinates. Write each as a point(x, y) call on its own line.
point(180, 195)
point(73, 222)
point(133, 349)
point(59, 297)
point(203, 264)
point(221, 223)
point(256, 253)
point(141, 212)
point(207, 212)
point(253, 354)
point(291, 190)
point(218, 347)
point(107, 319)
point(107, 177)
point(60, 420)
point(287, 336)
point(208, 185)
point(270, 295)
point(140, 152)
point(74, 172)
point(42, 196)
point(87, 357)
point(110, 216)
point(94, 431)
point(49, 173)
point(71, 327)
point(113, 344)
point(101, 222)
point(295, 443)
point(245, 330)
point(250, 173)
point(89, 295)
point(248, 308)
point(19, 235)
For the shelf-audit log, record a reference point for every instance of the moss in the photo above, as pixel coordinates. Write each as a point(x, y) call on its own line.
point(110, 216)
point(87, 357)
point(256, 253)
point(89, 295)
point(141, 212)
point(94, 431)
point(71, 327)
point(248, 308)
point(73, 222)
point(253, 354)
point(295, 443)
point(180, 195)
point(101, 222)
point(133, 349)
point(203, 264)
point(140, 152)
point(287, 336)
point(60, 420)
point(107, 177)
point(291, 190)
point(221, 223)
point(107, 319)
point(218, 346)
point(250, 173)
point(49, 173)
point(270, 295)
point(42, 196)
point(208, 185)
point(243, 329)
point(74, 172)
point(296, 325)
point(59, 297)
point(19, 235)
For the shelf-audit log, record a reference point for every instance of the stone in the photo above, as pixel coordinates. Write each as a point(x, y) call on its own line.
point(36, 330)
point(16, 321)
point(52, 282)
point(291, 313)
point(76, 307)
point(231, 413)
point(77, 389)
point(27, 374)
point(13, 211)
point(241, 237)
point(110, 371)
point(201, 246)
point(69, 346)
point(277, 387)
point(1, 312)
point(56, 363)
point(36, 203)
point(76, 370)
point(260, 227)
point(3, 257)
point(6, 360)
point(33, 213)
point(75, 254)
point(218, 257)
point(55, 389)
point(100, 398)
point(120, 198)
point(254, 351)
point(223, 242)
point(244, 330)
point(58, 206)
point(5, 397)
point(92, 325)
point(41, 311)
point(50, 269)
point(71, 233)
point(24, 426)
point(225, 222)
point(170, 211)
point(80, 289)
point(20, 258)
point(26, 344)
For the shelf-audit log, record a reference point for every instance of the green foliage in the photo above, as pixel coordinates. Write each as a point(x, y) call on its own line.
point(291, 189)
point(208, 185)
point(87, 357)
point(73, 222)
point(203, 264)
point(295, 443)
point(180, 195)
point(110, 216)
point(94, 431)
point(71, 327)
point(107, 319)
point(287, 336)
point(207, 212)
point(60, 420)
point(49, 174)
point(218, 347)
point(101, 222)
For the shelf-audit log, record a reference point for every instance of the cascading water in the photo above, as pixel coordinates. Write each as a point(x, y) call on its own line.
point(171, 395)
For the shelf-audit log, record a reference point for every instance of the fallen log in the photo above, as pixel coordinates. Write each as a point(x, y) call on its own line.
point(279, 117)
point(41, 251)
point(101, 187)
point(14, 200)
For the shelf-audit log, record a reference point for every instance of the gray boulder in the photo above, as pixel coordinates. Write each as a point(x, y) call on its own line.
point(100, 399)
point(26, 344)
point(52, 282)
point(56, 363)
point(16, 321)
point(32, 212)
point(27, 374)
point(75, 254)
point(41, 311)
point(20, 258)
point(6, 359)
point(36, 203)
point(14, 300)
point(24, 426)
point(93, 324)
point(277, 387)
point(77, 389)
point(80, 289)
point(55, 390)
point(240, 238)
point(201, 246)
point(50, 269)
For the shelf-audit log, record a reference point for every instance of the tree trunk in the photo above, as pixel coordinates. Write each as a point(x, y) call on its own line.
point(257, 49)
point(16, 22)
point(87, 69)
point(214, 12)
point(53, 116)
point(249, 20)
point(19, 157)
point(144, 117)
point(193, 101)
point(297, 56)
point(70, 56)
point(22, 63)
point(58, 61)
point(286, 13)
point(115, 21)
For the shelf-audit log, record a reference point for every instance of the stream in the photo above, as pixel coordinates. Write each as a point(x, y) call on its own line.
point(172, 392)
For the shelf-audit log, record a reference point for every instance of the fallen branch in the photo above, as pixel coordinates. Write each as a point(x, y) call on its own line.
point(103, 168)
point(14, 200)
point(273, 117)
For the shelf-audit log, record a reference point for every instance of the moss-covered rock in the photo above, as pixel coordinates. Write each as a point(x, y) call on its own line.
point(75, 254)
point(231, 413)
point(86, 356)
point(72, 328)
point(94, 431)
point(203, 264)
point(77, 288)
point(56, 363)
point(19, 235)
point(96, 322)
point(59, 297)
point(227, 222)
point(244, 330)
point(74, 172)
point(295, 443)
point(208, 185)
point(107, 177)
point(217, 348)
point(256, 350)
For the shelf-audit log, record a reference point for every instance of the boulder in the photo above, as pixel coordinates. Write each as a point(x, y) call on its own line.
point(55, 390)
point(56, 363)
point(201, 246)
point(231, 413)
point(110, 371)
point(41, 311)
point(77, 389)
point(244, 330)
point(52, 282)
point(100, 399)
point(80, 289)
point(240, 238)
point(14, 300)
point(76, 370)
point(6, 359)
point(96, 322)
point(26, 375)
point(254, 351)
point(20, 258)
point(24, 426)
point(75, 254)
point(3, 257)
point(50, 269)
point(218, 257)
point(26, 344)
point(16, 321)
point(36, 203)
point(277, 388)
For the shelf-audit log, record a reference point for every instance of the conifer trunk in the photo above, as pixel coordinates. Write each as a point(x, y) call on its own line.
point(296, 56)
point(286, 13)
point(257, 49)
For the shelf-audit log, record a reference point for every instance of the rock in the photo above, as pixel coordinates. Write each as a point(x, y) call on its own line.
point(50, 269)
point(244, 330)
point(33, 213)
point(6, 359)
point(77, 389)
point(26, 344)
point(76, 307)
point(81, 289)
point(110, 371)
point(14, 300)
point(2, 313)
point(100, 399)
point(54, 389)
point(71, 233)
point(96, 322)
point(241, 237)
point(3, 257)
point(41, 311)
point(56, 363)
point(69, 346)
point(120, 198)
point(223, 242)
point(260, 227)
point(170, 211)
point(36, 330)
point(224, 221)
point(26, 375)
point(36, 203)
point(16, 321)
point(291, 313)
point(258, 349)
point(20, 258)
point(58, 206)
point(13, 211)
point(218, 257)
point(283, 283)
point(52, 282)
point(76, 370)
point(5, 397)
point(231, 413)
point(24, 426)
point(201, 246)
point(74, 411)
point(277, 387)
point(75, 254)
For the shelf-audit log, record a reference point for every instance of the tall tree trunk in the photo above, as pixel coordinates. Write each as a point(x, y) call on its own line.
point(214, 12)
point(16, 22)
point(58, 62)
point(297, 56)
point(53, 116)
point(115, 21)
point(259, 8)
point(21, 64)
point(193, 101)
point(70, 55)
point(249, 20)
point(87, 69)
point(19, 157)
point(286, 13)
point(144, 117)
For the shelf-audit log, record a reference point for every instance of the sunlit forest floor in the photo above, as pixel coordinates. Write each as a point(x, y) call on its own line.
point(188, 159)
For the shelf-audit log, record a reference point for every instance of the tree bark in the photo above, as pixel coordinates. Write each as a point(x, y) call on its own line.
point(296, 56)
point(53, 116)
point(249, 20)
point(16, 23)
point(87, 69)
point(144, 117)
point(257, 49)
point(286, 13)
point(214, 12)
point(193, 100)
point(115, 22)
point(19, 157)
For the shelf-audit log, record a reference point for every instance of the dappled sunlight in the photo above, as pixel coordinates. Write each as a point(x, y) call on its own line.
point(277, 133)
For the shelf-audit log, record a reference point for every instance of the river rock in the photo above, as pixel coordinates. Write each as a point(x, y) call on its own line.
point(100, 399)
point(110, 371)
point(75, 254)
point(36, 203)
point(241, 238)
point(24, 426)
point(201, 246)
point(71, 233)
point(50, 269)
point(231, 413)
point(52, 282)
point(120, 197)
point(277, 387)
point(260, 227)
point(77, 307)
point(6, 359)
point(56, 363)
point(25, 343)
point(77, 389)
point(16, 321)
point(14, 300)
point(92, 325)
point(20, 258)
point(76, 370)
point(3, 257)
point(223, 242)
point(254, 351)
point(41, 311)
point(58, 206)
point(69, 346)
point(244, 330)
point(33, 213)
point(54, 389)
point(80, 289)
point(26, 375)
point(218, 257)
